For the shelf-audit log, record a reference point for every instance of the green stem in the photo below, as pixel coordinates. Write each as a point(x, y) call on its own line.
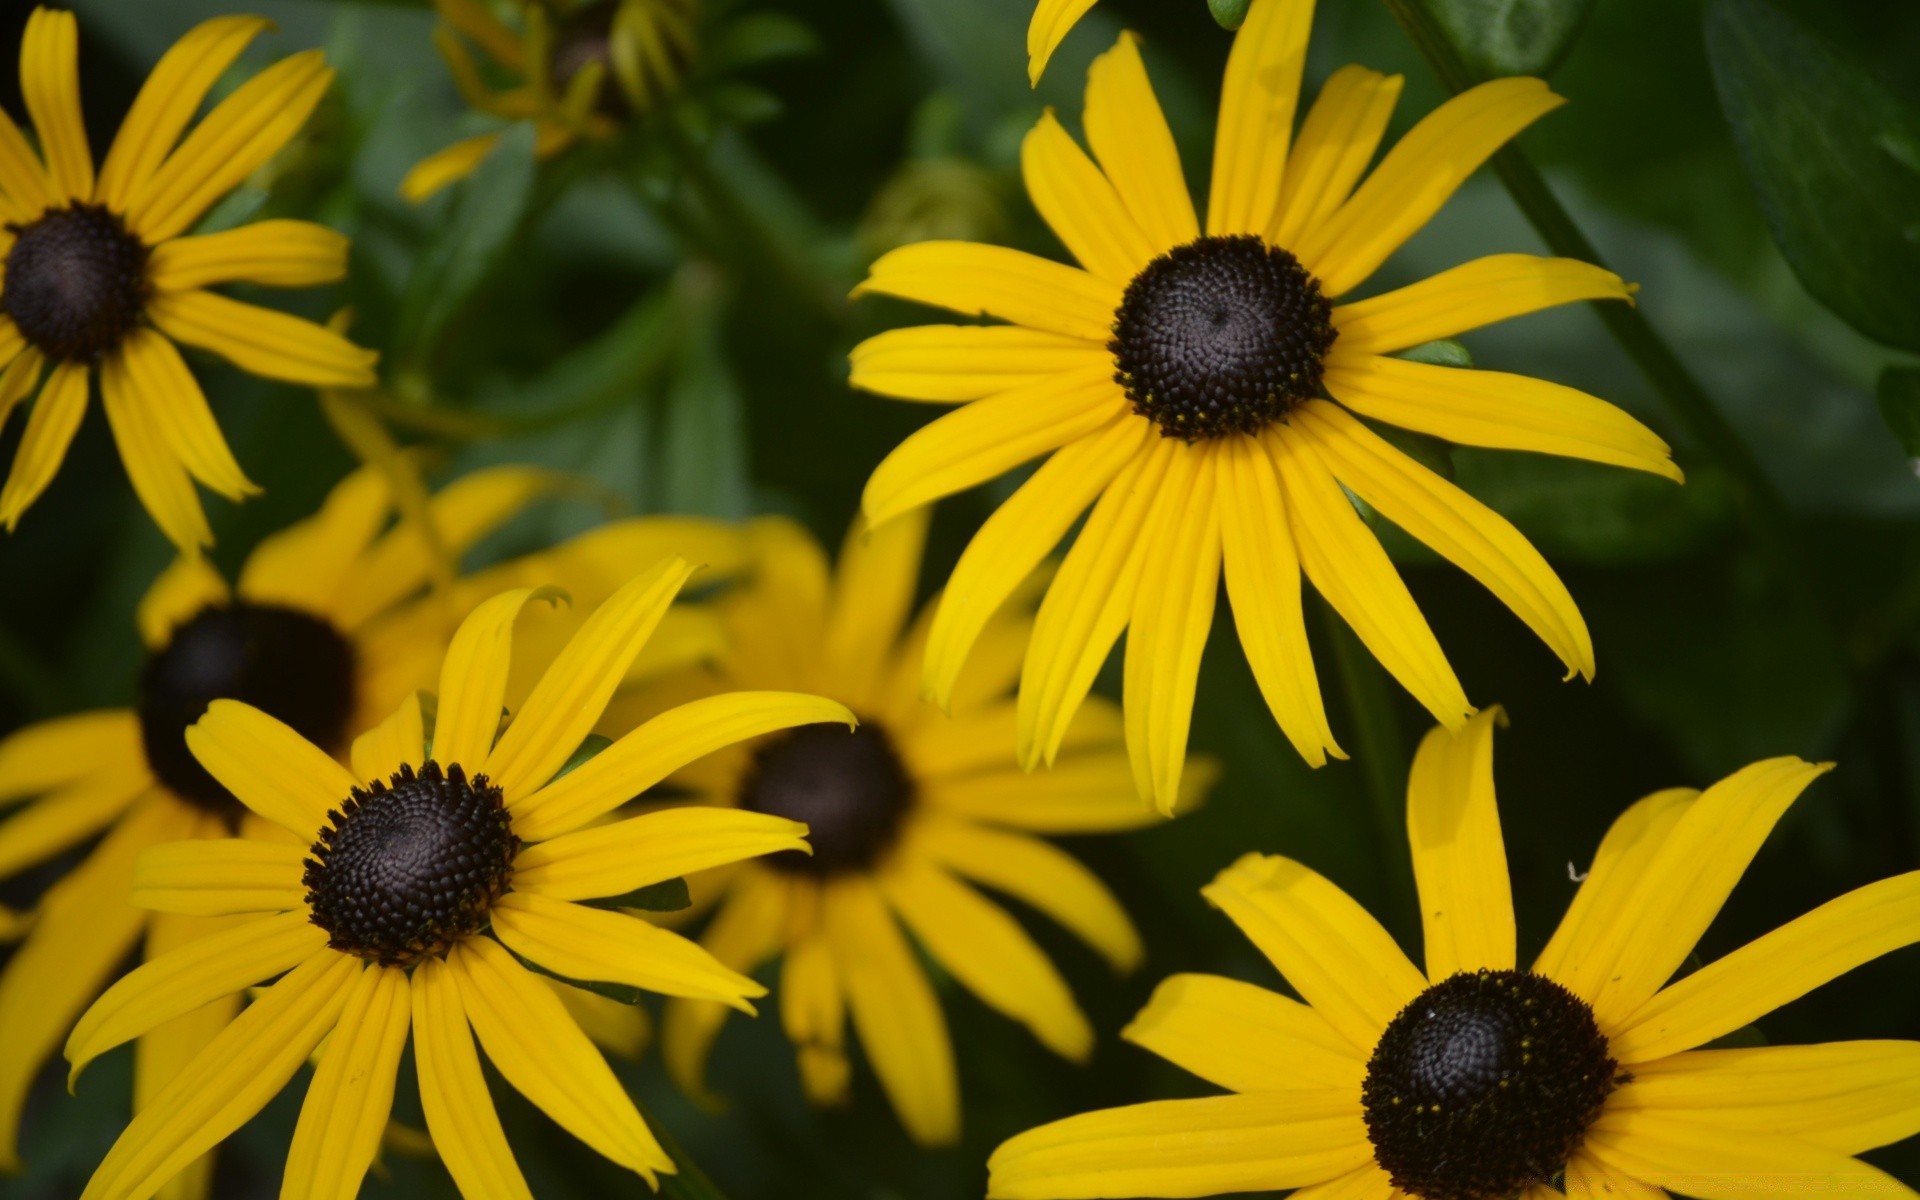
point(690, 1182)
point(1381, 754)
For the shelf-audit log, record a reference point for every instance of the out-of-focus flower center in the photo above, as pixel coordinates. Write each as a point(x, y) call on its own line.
point(655, 36)
point(1222, 335)
point(411, 866)
point(849, 786)
point(1484, 1085)
point(290, 665)
point(76, 282)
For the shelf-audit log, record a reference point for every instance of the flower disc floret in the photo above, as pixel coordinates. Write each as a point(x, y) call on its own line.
point(76, 282)
point(848, 786)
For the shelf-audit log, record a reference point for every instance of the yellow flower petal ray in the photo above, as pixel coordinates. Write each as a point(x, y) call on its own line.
point(623, 856)
point(275, 253)
point(1470, 296)
point(1051, 21)
point(262, 341)
point(473, 678)
point(1080, 205)
point(397, 741)
point(453, 1092)
point(1245, 1038)
point(43, 446)
point(50, 84)
point(598, 946)
point(351, 1095)
point(1257, 102)
point(992, 281)
point(158, 476)
point(744, 934)
point(1332, 150)
point(1129, 136)
point(217, 876)
point(47, 754)
point(268, 767)
point(946, 364)
point(1459, 859)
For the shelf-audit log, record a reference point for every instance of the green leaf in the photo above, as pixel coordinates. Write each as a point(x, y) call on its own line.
point(1229, 13)
point(1900, 405)
point(669, 895)
point(1511, 37)
point(1831, 151)
point(1447, 352)
point(702, 464)
point(592, 745)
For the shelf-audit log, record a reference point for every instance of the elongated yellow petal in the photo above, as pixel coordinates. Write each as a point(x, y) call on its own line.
point(945, 364)
point(71, 814)
point(1330, 949)
point(813, 1013)
point(473, 678)
point(567, 702)
point(1773, 969)
point(1079, 204)
point(168, 101)
point(485, 30)
point(352, 1091)
point(189, 586)
point(873, 592)
point(613, 859)
point(1051, 21)
point(660, 747)
point(1368, 1182)
point(304, 566)
point(992, 281)
point(1455, 525)
point(988, 952)
point(744, 934)
point(278, 253)
point(1128, 134)
point(1417, 176)
point(1198, 1147)
point(599, 946)
point(1710, 1163)
point(1459, 860)
point(395, 742)
point(989, 437)
point(43, 446)
point(453, 1093)
point(20, 378)
point(1245, 1038)
point(25, 189)
point(261, 341)
point(213, 877)
point(1257, 102)
point(445, 167)
point(1336, 142)
point(1504, 412)
point(1092, 794)
point(158, 476)
point(47, 754)
point(162, 1054)
point(894, 1010)
point(1469, 296)
point(268, 767)
point(622, 1030)
point(1037, 872)
point(232, 1079)
point(1262, 570)
point(50, 84)
point(542, 1053)
point(193, 975)
point(1349, 567)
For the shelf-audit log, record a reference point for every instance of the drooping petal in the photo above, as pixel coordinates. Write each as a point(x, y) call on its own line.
point(279, 253)
point(347, 1103)
point(813, 1014)
point(268, 767)
point(262, 341)
point(1052, 19)
point(188, 586)
point(43, 446)
point(168, 101)
point(473, 678)
point(1468, 297)
point(47, 754)
point(873, 592)
point(1080, 205)
point(453, 1092)
point(1245, 1038)
point(744, 934)
point(946, 364)
point(158, 476)
point(598, 946)
point(1257, 102)
point(446, 167)
point(50, 84)
point(210, 877)
point(1459, 860)
point(1336, 142)
point(1129, 135)
point(617, 858)
point(1711, 1163)
point(397, 741)
point(992, 281)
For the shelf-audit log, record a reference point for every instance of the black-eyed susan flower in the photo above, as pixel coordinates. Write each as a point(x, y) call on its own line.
point(329, 625)
point(410, 894)
point(1179, 384)
point(101, 274)
point(908, 813)
point(1479, 1080)
point(582, 66)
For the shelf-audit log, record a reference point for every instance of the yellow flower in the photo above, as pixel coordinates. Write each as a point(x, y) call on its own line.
point(328, 628)
point(408, 896)
point(906, 814)
point(584, 67)
point(99, 275)
point(1052, 21)
point(1177, 384)
point(1475, 1079)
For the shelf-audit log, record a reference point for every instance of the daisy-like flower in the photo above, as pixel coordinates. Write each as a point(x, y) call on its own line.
point(1177, 384)
point(584, 66)
point(907, 813)
point(329, 626)
point(100, 275)
point(415, 891)
point(1479, 1080)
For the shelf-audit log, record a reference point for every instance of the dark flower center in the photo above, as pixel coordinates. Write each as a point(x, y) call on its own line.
point(76, 281)
point(1484, 1085)
point(586, 36)
point(1221, 335)
point(849, 786)
point(288, 664)
point(407, 868)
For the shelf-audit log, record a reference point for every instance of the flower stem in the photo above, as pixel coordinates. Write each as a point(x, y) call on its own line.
point(690, 1182)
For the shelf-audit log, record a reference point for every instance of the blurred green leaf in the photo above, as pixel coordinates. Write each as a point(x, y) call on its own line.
point(1900, 405)
point(1599, 515)
point(1834, 154)
point(703, 451)
point(758, 37)
point(669, 895)
point(1446, 352)
point(1229, 13)
point(1511, 37)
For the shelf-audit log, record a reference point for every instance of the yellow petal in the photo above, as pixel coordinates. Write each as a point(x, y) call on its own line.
point(217, 876)
point(1772, 970)
point(1365, 1183)
point(1262, 570)
point(1079, 205)
point(475, 23)
point(50, 84)
point(25, 190)
point(347, 1103)
point(1459, 860)
point(989, 437)
point(473, 678)
point(894, 1011)
point(992, 281)
point(1129, 135)
point(1586, 1179)
point(1198, 1147)
point(453, 1093)
point(442, 168)
point(158, 476)
point(47, 754)
point(272, 253)
point(1336, 142)
point(188, 587)
point(1470, 296)
point(620, 1029)
point(624, 856)
point(873, 591)
point(1349, 567)
point(1090, 794)
point(1257, 102)
point(20, 378)
point(1333, 953)
point(949, 363)
point(744, 934)
point(395, 742)
point(1245, 1038)
point(542, 1053)
point(232, 1079)
point(1417, 176)
point(43, 447)
point(1710, 1163)
point(1489, 408)
point(304, 566)
point(162, 1054)
point(988, 952)
point(263, 342)
point(268, 767)
point(813, 1013)
point(71, 814)
point(1051, 21)
point(598, 946)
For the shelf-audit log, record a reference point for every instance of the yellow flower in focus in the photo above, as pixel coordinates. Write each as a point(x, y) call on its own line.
point(100, 275)
point(407, 892)
point(1178, 382)
point(1479, 1080)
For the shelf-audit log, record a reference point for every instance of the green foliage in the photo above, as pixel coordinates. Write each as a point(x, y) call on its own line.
point(1900, 406)
point(1511, 37)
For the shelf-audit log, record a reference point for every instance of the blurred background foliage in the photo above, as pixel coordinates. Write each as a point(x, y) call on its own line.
point(664, 315)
